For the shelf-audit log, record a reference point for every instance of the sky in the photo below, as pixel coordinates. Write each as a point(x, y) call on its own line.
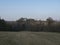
point(36, 9)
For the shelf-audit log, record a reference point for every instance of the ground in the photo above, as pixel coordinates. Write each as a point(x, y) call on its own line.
point(29, 38)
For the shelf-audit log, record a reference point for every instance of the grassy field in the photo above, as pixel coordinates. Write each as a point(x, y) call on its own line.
point(29, 38)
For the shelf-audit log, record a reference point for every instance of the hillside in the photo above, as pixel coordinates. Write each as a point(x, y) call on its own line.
point(29, 38)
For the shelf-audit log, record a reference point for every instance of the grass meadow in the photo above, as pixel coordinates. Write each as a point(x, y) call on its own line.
point(29, 38)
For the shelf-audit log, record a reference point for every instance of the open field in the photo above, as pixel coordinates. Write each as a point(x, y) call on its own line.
point(29, 38)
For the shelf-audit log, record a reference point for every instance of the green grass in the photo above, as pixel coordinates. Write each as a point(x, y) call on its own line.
point(29, 38)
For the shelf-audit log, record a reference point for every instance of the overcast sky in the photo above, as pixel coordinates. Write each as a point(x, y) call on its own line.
point(36, 9)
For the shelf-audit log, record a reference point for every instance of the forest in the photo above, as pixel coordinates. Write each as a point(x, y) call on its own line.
point(25, 24)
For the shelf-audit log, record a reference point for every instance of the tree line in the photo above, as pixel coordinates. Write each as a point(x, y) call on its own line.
point(24, 24)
